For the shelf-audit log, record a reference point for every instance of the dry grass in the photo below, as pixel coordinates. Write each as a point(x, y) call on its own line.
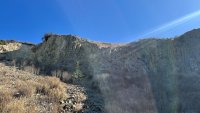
point(22, 92)
point(15, 106)
point(52, 87)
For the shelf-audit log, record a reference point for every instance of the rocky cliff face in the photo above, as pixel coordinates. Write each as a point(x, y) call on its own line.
point(148, 76)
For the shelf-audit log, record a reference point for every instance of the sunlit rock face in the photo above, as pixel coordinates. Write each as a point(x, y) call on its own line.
point(148, 76)
point(9, 47)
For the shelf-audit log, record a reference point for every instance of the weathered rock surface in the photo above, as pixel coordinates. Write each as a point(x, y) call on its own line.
point(148, 76)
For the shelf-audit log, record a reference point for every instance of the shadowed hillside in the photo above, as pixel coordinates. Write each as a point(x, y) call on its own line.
point(148, 76)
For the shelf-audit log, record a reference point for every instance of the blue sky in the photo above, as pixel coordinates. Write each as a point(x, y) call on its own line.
point(99, 20)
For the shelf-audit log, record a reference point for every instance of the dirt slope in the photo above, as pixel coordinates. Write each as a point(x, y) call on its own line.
point(23, 92)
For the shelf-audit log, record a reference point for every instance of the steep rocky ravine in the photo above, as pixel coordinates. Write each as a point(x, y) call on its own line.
point(148, 76)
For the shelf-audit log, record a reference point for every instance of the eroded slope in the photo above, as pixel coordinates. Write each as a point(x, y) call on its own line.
point(23, 92)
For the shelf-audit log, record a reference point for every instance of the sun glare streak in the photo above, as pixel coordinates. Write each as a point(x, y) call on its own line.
point(173, 23)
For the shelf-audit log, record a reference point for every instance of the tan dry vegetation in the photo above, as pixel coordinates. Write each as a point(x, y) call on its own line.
point(22, 92)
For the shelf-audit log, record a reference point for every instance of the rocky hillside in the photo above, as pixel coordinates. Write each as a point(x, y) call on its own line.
point(148, 76)
point(23, 92)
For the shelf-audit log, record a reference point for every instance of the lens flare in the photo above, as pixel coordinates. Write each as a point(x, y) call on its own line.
point(173, 24)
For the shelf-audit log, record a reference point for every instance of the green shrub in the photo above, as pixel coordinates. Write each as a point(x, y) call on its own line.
point(2, 42)
point(77, 73)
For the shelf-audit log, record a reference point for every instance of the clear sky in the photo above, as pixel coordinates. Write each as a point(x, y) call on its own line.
point(99, 20)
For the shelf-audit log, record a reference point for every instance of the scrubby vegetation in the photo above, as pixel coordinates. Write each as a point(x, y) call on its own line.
point(77, 73)
point(22, 92)
point(2, 42)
